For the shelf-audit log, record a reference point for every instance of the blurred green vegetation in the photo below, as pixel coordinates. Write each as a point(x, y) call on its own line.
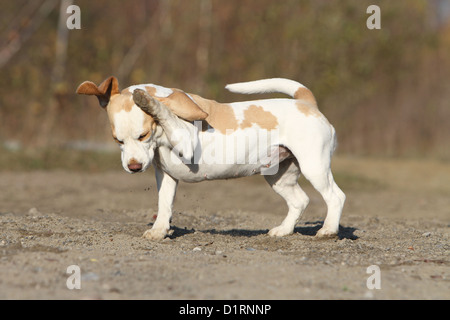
point(386, 91)
point(59, 159)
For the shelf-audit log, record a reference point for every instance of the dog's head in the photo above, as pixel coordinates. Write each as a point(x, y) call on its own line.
point(136, 131)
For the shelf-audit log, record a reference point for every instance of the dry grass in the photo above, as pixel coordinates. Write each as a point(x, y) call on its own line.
point(350, 172)
point(408, 174)
point(59, 159)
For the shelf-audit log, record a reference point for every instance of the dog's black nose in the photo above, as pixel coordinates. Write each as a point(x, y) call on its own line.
point(135, 167)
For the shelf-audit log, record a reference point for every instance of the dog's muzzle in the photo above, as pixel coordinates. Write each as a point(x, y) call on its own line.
point(135, 167)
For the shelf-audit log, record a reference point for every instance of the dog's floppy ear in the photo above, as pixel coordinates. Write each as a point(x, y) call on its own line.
point(103, 92)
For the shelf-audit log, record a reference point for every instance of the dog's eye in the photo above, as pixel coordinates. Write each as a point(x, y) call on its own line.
point(143, 136)
point(118, 141)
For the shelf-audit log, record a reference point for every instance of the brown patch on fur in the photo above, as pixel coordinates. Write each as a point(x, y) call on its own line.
point(220, 116)
point(183, 106)
point(256, 115)
point(149, 125)
point(151, 90)
point(308, 109)
point(126, 91)
point(306, 95)
point(123, 101)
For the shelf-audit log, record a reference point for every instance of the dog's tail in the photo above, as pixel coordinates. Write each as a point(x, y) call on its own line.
point(290, 87)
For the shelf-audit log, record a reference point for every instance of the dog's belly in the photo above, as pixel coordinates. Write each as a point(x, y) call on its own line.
point(196, 172)
point(202, 172)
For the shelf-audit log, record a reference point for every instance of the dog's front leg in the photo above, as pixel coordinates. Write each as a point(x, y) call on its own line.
point(167, 187)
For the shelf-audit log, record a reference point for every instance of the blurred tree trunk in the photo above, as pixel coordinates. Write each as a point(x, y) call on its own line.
point(130, 58)
point(57, 83)
point(144, 38)
point(61, 44)
point(202, 54)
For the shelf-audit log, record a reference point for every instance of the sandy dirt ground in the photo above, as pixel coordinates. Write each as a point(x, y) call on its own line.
point(397, 217)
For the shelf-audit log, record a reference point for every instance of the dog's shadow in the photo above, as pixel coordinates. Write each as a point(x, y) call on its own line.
point(310, 229)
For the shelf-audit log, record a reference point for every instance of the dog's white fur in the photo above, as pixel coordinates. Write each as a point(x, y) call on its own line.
point(304, 143)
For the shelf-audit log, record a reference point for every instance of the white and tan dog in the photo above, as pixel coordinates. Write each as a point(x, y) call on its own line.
point(192, 139)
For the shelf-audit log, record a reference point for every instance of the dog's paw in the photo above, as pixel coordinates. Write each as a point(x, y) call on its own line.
point(326, 233)
point(155, 234)
point(145, 101)
point(280, 231)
